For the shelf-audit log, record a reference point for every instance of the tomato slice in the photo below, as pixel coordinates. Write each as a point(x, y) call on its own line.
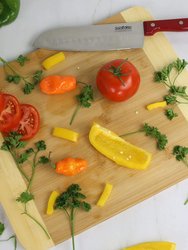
point(10, 112)
point(29, 123)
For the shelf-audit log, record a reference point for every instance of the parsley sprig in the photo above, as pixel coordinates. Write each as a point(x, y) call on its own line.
point(181, 153)
point(70, 201)
point(15, 77)
point(13, 143)
point(168, 76)
point(22, 60)
point(170, 114)
point(84, 99)
point(161, 139)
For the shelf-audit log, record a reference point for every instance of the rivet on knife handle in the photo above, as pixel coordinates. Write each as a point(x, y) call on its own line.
point(151, 27)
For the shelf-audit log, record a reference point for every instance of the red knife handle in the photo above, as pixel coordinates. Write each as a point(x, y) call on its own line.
point(151, 27)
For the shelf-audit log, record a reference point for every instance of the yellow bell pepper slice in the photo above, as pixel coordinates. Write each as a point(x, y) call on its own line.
point(105, 195)
point(117, 149)
point(65, 133)
point(156, 105)
point(51, 202)
point(53, 60)
point(163, 245)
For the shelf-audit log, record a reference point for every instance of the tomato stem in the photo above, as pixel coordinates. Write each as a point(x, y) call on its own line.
point(116, 71)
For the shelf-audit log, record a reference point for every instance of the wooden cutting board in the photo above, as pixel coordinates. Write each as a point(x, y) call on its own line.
point(130, 186)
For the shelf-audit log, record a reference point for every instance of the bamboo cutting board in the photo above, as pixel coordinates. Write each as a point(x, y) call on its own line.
point(130, 186)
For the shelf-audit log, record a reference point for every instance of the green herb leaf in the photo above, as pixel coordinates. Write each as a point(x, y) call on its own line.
point(43, 160)
point(24, 157)
point(85, 99)
point(180, 152)
point(170, 99)
point(170, 114)
point(13, 144)
point(25, 197)
point(2, 228)
point(168, 75)
point(86, 96)
point(13, 78)
point(154, 132)
point(178, 90)
point(180, 65)
point(40, 145)
point(29, 82)
point(71, 198)
point(69, 201)
point(28, 87)
point(22, 60)
point(12, 141)
point(37, 77)
point(163, 75)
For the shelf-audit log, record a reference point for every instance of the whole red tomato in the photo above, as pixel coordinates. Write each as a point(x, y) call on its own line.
point(118, 80)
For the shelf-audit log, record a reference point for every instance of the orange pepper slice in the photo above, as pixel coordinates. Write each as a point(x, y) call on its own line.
point(70, 166)
point(57, 84)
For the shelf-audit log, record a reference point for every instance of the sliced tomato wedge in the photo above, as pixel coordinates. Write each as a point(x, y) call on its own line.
point(10, 112)
point(29, 123)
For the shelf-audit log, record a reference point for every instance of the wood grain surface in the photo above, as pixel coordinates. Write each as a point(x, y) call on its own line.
point(130, 186)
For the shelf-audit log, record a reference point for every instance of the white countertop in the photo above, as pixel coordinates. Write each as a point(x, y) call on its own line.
point(162, 217)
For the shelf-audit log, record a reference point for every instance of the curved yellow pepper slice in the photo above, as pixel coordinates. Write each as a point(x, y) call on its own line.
point(161, 245)
point(117, 149)
point(105, 195)
point(155, 105)
point(53, 60)
point(51, 202)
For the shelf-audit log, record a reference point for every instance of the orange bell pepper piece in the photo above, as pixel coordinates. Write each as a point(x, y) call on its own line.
point(70, 166)
point(57, 84)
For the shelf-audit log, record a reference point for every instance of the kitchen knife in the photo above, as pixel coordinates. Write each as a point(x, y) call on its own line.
point(107, 36)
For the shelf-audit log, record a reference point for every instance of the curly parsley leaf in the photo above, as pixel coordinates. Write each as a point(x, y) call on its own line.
point(170, 114)
point(22, 60)
point(29, 82)
point(168, 75)
point(11, 141)
point(69, 201)
point(170, 99)
point(154, 132)
point(40, 145)
point(180, 65)
point(13, 78)
point(25, 197)
point(85, 98)
point(180, 152)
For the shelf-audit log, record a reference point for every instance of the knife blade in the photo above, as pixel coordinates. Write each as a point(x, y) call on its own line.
point(106, 36)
